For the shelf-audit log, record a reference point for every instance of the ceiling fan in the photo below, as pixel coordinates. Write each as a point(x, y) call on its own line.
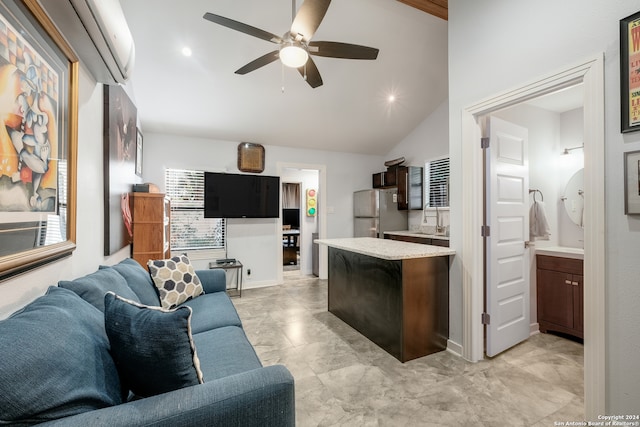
point(295, 46)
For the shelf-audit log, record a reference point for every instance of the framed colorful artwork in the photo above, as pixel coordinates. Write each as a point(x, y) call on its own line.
point(630, 72)
point(38, 140)
point(120, 146)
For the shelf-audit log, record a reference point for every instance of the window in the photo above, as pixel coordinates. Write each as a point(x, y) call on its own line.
point(189, 228)
point(436, 183)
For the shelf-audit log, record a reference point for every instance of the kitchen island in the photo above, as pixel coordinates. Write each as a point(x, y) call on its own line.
point(394, 293)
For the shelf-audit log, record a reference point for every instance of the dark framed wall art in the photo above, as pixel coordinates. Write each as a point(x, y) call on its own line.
point(38, 139)
point(120, 147)
point(630, 72)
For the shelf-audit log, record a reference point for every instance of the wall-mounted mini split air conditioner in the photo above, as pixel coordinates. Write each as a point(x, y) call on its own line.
point(98, 32)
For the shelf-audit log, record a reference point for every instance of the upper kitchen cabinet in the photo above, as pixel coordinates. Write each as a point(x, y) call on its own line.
point(410, 187)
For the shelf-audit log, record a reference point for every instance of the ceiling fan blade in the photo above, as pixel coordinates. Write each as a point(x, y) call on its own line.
point(260, 62)
point(342, 50)
point(312, 74)
point(308, 18)
point(243, 28)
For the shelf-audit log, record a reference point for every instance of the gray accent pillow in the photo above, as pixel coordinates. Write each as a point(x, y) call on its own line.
point(152, 347)
point(55, 360)
point(94, 286)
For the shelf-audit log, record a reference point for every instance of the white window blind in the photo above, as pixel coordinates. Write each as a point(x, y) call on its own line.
point(437, 182)
point(189, 228)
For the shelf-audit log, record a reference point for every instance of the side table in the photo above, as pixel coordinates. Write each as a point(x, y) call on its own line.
point(235, 265)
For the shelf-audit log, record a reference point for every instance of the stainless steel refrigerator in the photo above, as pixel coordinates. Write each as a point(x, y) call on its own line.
point(376, 211)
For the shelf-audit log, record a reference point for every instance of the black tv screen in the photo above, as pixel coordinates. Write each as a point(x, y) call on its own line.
point(229, 195)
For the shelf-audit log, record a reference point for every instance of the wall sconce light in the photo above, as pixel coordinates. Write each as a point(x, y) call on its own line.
point(567, 150)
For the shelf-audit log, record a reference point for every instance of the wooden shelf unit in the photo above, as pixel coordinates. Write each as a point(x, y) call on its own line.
point(151, 226)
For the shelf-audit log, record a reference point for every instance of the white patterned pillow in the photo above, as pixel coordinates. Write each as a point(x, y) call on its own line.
point(175, 279)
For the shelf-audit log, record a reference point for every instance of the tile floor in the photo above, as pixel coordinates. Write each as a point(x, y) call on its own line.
point(343, 379)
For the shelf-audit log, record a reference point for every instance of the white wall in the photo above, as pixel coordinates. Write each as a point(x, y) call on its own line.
point(498, 45)
point(256, 242)
point(428, 141)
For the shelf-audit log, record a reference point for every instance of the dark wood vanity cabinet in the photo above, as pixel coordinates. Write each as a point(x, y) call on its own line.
point(560, 295)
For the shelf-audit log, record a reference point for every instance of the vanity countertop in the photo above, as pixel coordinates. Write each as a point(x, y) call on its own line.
point(418, 234)
point(561, 251)
point(387, 248)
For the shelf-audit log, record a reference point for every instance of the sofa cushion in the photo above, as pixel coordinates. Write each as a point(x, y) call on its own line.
point(228, 352)
point(94, 286)
point(139, 281)
point(175, 279)
point(212, 311)
point(55, 361)
point(152, 347)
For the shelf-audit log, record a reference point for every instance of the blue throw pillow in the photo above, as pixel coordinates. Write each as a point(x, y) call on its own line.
point(55, 361)
point(94, 286)
point(152, 347)
point(139, 281)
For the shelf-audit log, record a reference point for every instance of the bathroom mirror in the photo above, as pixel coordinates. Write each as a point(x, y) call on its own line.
point(574, 198)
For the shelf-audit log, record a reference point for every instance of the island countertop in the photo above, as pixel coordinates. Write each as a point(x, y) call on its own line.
point(386, 248)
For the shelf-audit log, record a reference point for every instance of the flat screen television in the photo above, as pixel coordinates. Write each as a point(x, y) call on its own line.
point(291, 216)
point(228, 195)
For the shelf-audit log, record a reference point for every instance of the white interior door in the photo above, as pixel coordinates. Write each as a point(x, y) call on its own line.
point(507, 215)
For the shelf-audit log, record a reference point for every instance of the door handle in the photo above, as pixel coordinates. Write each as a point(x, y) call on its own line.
point(527, 244)
point(574, 283)
point(567, 282)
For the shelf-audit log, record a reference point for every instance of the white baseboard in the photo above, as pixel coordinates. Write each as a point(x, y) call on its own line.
point(454, 347)
point(534, 328)
point(255, 285)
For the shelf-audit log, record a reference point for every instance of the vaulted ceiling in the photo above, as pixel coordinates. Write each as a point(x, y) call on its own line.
point(352, 111)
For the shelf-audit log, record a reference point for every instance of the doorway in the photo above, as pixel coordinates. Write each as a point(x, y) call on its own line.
point(291, 202)
point(306, 177)
point(590, 73)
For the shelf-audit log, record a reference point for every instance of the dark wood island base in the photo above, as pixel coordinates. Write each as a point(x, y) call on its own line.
point(401, 305)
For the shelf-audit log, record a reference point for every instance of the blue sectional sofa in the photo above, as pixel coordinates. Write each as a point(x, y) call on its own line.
point(57, 365)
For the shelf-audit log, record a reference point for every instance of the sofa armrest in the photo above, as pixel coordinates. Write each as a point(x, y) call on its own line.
point(262, 397)
point(213, 280)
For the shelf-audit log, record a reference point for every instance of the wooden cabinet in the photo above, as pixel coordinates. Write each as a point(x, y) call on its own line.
point(560, 295)
point(409, 188)
point(150, 214)
point(389, 178)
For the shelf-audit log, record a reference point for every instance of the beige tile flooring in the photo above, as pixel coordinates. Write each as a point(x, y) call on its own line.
point(343, 379)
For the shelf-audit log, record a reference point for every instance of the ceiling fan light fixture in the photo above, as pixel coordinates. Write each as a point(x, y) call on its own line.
point(293, 56)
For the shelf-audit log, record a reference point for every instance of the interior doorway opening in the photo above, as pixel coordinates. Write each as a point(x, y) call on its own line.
point(300, 225)
point(590, 73)
point(291, 211)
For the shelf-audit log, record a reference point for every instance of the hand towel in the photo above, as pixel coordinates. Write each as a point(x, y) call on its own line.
point(538, 225)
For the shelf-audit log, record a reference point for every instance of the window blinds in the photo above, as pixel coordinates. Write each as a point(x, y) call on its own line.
point(189, 228)
point(437, 182)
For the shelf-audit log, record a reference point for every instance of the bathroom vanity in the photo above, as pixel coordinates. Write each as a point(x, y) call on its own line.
point(394, 293)
point(559, 278)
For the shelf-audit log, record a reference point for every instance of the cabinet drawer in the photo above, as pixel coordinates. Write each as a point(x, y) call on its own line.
point(567, 265)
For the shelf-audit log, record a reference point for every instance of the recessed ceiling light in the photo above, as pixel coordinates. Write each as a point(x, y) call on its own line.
point(186, 51)
point(391, 98)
